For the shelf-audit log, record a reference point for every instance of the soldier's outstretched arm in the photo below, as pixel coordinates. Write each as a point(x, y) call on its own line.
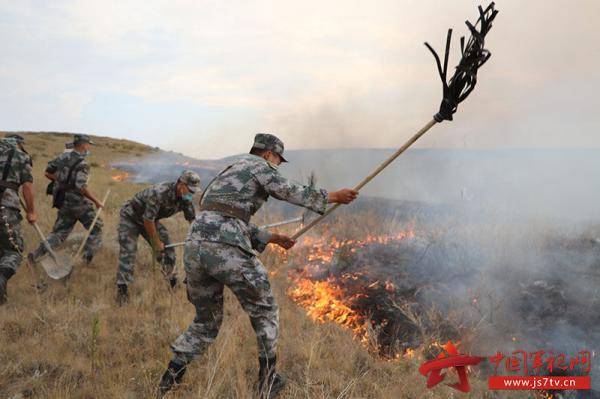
point(88, 194)
point(153, 236)
point(299, 194)
point(81, 183)
point(27, 189)
point(291, 191)
point(150, 216)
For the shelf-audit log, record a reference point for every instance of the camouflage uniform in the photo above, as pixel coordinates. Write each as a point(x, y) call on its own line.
point(76, 207)
point(11, 240)
point(222, 248)
point(154, 203)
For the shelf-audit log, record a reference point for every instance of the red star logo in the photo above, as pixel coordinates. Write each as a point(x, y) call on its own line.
point(432, 369)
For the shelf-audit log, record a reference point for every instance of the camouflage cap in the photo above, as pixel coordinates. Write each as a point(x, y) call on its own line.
point(191, 180)
point(16, 137)
point(266, 141)
point(82, 138)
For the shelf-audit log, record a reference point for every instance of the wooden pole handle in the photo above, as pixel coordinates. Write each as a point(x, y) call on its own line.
point(89, 231)
point(370, 177)
point(39, 231)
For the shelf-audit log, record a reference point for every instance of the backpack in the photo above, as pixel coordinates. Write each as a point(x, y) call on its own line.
point(3, 183)
point(59, 190)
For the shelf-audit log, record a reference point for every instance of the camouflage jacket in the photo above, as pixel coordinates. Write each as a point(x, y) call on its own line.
point(245, 186)
point(19, 172)
point(157, 202)
point(79, 177)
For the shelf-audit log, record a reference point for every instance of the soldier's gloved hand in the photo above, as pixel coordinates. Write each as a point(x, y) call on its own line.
point(283, 241)
point(343, 196)
point(31, 217)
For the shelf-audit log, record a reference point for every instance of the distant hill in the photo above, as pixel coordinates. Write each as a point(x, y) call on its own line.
point(550, 183)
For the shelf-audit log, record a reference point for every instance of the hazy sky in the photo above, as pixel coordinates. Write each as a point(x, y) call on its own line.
point(201, 77)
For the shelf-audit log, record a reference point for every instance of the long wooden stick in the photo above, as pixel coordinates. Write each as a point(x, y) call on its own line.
point(282, 223)
point(89, 231)
point(367, 179)
point(45, 242)
point(264, 226)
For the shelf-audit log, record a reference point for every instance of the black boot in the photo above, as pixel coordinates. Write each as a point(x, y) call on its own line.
point(5, 275)
point(270, 383)
point(171, 377)
point(122, 294)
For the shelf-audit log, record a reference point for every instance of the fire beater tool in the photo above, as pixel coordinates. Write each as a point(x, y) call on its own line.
point(455, 91)
point(89, 231)
point(56, 266)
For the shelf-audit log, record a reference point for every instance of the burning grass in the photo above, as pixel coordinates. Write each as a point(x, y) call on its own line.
point(331, 299)
point(402, 293)
point(344, 281)
point(121, 177)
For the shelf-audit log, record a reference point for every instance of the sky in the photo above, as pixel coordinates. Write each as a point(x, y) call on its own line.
point(202, 77)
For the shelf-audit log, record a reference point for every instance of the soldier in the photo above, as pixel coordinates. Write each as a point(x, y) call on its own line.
point(141, 216)
point(69, 174)
point(15, 164)
point(221, 250)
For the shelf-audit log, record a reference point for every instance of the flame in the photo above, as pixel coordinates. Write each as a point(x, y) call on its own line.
point(121, 176)
point(327, 300)
point(410, 353)
point(437, 344)
point(389, 286)
point(323, 250)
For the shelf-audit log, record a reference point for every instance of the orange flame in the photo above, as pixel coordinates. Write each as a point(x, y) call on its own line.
point(328, 301)
point(410, 353)
point(121, 176)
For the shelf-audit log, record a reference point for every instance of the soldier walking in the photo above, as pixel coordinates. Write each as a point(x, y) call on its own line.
point(15, 165)
point(69, 174)
point(221, 250)
point(141, 216)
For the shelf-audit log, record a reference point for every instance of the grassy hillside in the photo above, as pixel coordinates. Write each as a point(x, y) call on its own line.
point(69, 340)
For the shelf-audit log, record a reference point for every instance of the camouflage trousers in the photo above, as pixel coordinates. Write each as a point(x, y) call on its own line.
point(67, 217)
point(11, 241)
point(129, 230)
point(209, 267)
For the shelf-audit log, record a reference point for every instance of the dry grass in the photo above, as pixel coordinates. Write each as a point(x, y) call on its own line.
point(71, 341)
